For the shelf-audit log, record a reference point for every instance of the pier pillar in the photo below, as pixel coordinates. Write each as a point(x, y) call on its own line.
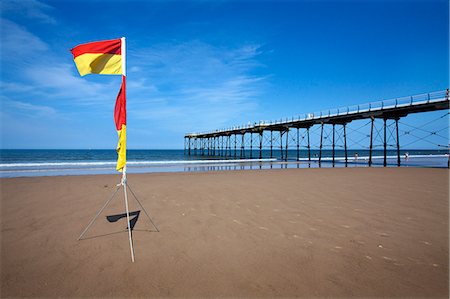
point(271, 144)
point(345, 144)
point(189, 146)
point(235, 145)
point(195, 146)
point(309, 146)
point(385, 144)
point(251, 145)
point(321, 144)
point(371, 141)
point(243, 145)
point(298, 144)
point(398, 142)
point(281, 144)
point(260, 143)
point(287, 144)
point(334, 130)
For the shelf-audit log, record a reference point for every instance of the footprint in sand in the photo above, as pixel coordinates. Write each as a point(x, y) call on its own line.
point(383, 235)
point(238, 222)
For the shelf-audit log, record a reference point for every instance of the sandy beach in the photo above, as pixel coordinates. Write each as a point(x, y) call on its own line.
point(357, 232)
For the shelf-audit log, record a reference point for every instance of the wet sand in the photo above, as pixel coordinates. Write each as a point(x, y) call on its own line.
point(357, 232)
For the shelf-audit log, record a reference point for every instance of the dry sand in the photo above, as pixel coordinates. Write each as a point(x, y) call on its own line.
point(358, 232)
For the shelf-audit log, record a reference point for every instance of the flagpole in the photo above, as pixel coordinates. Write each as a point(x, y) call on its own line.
point(124, 173)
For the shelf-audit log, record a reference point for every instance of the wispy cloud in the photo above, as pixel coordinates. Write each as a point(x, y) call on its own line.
point(30, 110)
point(31, 9)
point(34, 76)
point(202, 85)
point(14, 38)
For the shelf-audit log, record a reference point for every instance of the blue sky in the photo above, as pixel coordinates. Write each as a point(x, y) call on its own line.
point(202, 65)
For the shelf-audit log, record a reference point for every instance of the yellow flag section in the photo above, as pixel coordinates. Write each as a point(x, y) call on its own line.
point(120, 118)
point(102, 57)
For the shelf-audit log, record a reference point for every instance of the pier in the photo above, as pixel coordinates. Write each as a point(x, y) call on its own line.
point(294, 132)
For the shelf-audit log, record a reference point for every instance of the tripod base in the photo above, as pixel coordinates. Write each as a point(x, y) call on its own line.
point(125, 186)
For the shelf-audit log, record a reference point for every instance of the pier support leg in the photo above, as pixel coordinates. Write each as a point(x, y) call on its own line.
point(287, 145)
point(202, 146)
point(189, 146)
point(251, 145)
point(235, 144)
point(195, 146)
point(371, 141)
point(281, 145)
point(309, 146)
point(385, 144)
point(298, 144)
point(260, 144)
point(243, 146)
point(334, 130)
point(345, 144)
point(271, 144)
point(398, 143)
point(321, 144)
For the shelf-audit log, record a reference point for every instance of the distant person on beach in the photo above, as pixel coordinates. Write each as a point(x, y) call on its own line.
point(406, 156)
point(356, 157)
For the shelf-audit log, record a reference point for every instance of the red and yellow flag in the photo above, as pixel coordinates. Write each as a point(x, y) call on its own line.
point(107, 58)
point(103, 57)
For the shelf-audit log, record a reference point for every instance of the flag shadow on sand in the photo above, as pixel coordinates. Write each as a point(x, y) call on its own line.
point(134, 216)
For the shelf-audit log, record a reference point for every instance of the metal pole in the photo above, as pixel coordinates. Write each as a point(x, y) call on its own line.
point(298, 144)
point(124, 183)
point(287, 144)
point(334, 125)
point(260, 144)
point(189, 146)
point(281, 144)
point(202, 146)
point(243, 146)
point(309, 146)
point(321, 143)
point(385, 144)
point(271, 144)
point(398, 143)
point(345, 144)
point(195, 146)
point(98, 213)
point(235, 144)
point(145, 211)
point(251, 145)
point(371, 141)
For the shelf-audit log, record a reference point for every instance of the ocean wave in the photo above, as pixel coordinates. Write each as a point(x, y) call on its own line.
point(352, 158)
point(129, 163)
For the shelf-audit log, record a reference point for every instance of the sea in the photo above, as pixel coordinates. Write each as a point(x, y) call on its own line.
point(57, 162)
